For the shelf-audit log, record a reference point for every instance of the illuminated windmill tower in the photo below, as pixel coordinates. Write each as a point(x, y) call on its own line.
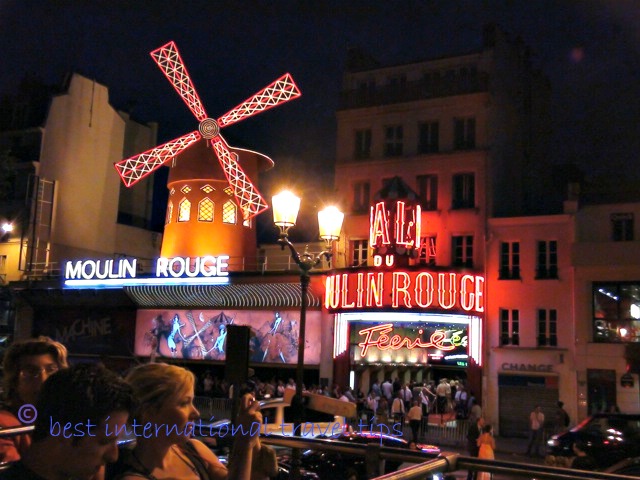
point(211, 204)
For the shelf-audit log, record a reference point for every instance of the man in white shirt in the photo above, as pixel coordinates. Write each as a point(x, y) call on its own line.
point(536, 429)
point(443, 390)
point(387, 389)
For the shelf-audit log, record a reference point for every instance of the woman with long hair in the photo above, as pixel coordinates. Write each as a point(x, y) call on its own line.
point(486, 449)
point(166, 412)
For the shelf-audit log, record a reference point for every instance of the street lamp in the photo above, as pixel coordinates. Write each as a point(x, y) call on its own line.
point(285, 212)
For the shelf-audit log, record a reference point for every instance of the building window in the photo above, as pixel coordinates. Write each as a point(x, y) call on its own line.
point(169, 212)
point(205, 210)
point(393, 141)
point(361, 192)
point(547, 328)
point(464, 191)
point(360, 253)
point(509, 260)
point(616, 312)
point(622, 227)
point(428, 136)
point(509, 327)
point(427, 252)
point(428, 191)
point(547, 266)
point(464, 133)
point(462, 249)
point(363, 144)
point(229, 212)
point(184, 210)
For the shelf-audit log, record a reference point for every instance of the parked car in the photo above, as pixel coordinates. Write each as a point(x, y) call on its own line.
point(609, 438)
point(340, 466)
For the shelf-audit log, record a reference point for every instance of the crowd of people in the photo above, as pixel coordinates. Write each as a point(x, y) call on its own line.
point(389, 401)
point(81, 412)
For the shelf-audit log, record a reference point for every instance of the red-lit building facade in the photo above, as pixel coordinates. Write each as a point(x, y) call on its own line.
point(467, 134)
point(458, 132)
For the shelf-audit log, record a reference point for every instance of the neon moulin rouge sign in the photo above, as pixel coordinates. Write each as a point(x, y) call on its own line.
point(115, 273)
point(394, 230)
point(378, 337)
point(404, 289)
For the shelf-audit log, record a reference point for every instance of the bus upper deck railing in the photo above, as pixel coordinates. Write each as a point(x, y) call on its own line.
point(425, 463)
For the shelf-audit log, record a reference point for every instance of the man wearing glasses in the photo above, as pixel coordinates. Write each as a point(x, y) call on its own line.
point(27, 364)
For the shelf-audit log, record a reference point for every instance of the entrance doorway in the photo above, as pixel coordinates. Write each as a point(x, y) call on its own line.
point(601, 396)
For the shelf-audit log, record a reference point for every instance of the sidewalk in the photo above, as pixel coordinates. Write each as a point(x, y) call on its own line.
point(507, 449)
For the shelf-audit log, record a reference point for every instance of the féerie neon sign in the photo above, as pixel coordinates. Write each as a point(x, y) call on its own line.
point(383, 341)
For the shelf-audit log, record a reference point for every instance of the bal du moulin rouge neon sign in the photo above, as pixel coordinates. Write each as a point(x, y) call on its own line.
point(396, 231)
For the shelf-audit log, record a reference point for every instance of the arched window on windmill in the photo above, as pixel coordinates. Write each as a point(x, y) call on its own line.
point(229, 212)
point(205, 210)
point(169, 212)
point(184, 210)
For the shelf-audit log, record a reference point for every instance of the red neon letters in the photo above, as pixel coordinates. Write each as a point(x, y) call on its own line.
point(406, 231)
point(406, 290)
point(384, 342)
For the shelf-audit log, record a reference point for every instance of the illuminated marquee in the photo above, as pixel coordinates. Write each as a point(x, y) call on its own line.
point(377, 336)
point(441, 339)
point(404, 289)
point(112, 273)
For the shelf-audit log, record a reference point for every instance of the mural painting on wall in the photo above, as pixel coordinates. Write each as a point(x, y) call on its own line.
point(201, 334)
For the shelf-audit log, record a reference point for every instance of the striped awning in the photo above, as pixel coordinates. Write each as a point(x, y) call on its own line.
point(244, 295)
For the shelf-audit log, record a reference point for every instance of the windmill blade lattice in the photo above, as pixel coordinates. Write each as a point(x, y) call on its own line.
point(168, 58)
point(135, 168)
point(171, 64)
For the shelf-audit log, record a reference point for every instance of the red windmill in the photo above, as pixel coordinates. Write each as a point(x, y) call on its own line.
point(249, 199)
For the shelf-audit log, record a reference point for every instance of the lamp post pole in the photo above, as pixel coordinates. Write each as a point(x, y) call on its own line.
point(285, 212)
point(305, 262)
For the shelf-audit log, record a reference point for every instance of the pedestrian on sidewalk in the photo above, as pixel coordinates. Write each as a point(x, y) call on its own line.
point(414, 415)
point(475, 412)
point(397, 409)
point(562, 419)
point(473, 434)
point(536, 429)
point(486, 449)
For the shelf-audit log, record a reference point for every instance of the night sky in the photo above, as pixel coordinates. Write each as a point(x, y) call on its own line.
point(590, 50)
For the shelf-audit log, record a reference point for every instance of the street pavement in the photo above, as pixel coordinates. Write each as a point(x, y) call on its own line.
point(507, 449)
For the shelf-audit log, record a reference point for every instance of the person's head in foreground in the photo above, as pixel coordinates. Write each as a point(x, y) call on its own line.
point(165, 397)
point(79, 411)
point(27, 364)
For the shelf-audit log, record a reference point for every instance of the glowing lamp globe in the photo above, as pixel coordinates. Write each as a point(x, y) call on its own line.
point(285, 209)
point(330, 223)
